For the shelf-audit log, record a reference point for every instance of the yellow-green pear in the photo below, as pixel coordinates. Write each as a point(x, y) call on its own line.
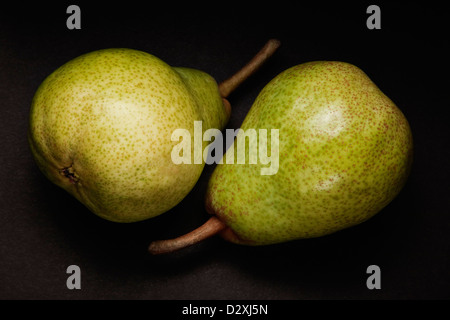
point(102, 125)
point(345, 151)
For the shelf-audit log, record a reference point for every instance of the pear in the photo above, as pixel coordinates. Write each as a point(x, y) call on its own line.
point(345, 152)
point(101, 128)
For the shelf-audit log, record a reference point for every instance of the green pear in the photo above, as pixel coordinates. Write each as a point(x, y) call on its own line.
point(345, 152)
point(101, 128)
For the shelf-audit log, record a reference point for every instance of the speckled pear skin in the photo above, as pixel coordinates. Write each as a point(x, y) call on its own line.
point(101, 126)
point(345, 151)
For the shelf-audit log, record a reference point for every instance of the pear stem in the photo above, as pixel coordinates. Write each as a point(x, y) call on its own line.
point(210, 228)
point(229, 85)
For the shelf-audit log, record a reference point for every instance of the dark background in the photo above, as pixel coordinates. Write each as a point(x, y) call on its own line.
point(43, 230)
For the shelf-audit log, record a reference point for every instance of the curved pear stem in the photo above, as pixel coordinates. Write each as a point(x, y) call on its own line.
point(210, 228)
point(229, 85)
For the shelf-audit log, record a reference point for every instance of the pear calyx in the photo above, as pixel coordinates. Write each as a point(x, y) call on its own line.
point(210, 228)
point(70, 174)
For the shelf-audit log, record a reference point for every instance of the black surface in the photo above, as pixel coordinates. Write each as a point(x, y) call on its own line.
point(43, 230)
